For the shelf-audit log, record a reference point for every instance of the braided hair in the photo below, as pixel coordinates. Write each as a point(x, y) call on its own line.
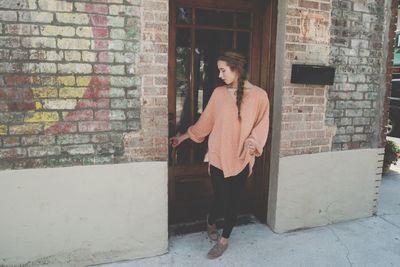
point(237, 62)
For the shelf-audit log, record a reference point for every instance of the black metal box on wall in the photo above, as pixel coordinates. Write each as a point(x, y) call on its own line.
point(312, 74)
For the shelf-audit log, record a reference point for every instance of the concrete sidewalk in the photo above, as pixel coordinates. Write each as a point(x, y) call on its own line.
point(373, 241)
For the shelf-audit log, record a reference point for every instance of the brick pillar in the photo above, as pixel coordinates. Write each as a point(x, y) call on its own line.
point(357, 51)
point(304, 129)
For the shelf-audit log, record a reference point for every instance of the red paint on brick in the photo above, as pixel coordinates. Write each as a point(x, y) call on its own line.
point(62, 127)
point(98, 20)
point(17, 79)
point(86, 103)
point(99, 81)
point(93, 103)
point(101, 68)
point(96, 8)
point(101, 44)
point(104, 57)
point(96, 92)
point(99, 92)
point(21, 106)
point(103, 103)
point(102, 115)
point(79, 115)
point(16, 93)
point(100, 32)
point(98, 86)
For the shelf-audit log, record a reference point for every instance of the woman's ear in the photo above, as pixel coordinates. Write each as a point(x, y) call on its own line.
point(237, 74)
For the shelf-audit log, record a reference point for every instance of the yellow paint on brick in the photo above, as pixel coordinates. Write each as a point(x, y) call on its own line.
point(66, 80)
point(72, 92)
point(27, 128)
point(49, 124)
point(57, 30)
point(38, 105)
point(83, 80)
point(44, 92)
point(41, 117)
point(3, 130)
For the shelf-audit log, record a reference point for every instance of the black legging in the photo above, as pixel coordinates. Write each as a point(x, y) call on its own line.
point(227, 193)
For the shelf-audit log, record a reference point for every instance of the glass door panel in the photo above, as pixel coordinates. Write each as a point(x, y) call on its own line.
point(183, 92)
point(214, 17)
point(243, 43)
point(243, 20)
point(184, 15)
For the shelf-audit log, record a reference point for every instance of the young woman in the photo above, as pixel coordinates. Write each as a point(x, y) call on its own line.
point(236, 119)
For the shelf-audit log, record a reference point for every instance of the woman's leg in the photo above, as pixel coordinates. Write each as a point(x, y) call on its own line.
point(229, 197)
point(220, 195)
point(235, 186)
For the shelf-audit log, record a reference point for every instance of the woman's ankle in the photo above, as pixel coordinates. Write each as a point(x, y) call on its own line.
point(224, 240)
point(208, 221)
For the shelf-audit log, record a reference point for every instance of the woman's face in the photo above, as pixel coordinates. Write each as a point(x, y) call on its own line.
point(226, 74)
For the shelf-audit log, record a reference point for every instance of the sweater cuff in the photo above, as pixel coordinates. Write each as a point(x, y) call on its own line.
point(193, 136)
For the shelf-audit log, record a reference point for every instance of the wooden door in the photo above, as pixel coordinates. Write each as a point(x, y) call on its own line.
point(200, 30)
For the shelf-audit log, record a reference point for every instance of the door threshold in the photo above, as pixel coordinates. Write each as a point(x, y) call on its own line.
point(200, 225)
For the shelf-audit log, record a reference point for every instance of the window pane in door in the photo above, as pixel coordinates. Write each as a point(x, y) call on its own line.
point(184, 15)
point(214, 17)
point(183, 68)
point(243, 43)
point(243, 20)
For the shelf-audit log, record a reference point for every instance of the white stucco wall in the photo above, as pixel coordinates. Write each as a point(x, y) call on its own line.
point(325, 188)
point(83, 215)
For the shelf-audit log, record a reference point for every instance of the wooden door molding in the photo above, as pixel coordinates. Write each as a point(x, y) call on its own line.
point(267, 74)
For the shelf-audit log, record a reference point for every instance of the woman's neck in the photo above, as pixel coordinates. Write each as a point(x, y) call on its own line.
point(246, 84)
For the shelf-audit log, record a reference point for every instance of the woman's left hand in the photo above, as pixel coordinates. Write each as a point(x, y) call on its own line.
point(251, 147)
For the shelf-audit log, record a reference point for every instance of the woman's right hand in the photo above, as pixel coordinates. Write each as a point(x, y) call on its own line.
point(178, 139)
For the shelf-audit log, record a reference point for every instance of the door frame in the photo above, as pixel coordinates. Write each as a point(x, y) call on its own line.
point(265, 77)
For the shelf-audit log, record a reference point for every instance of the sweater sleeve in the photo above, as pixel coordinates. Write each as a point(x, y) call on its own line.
point(259, 133)
point(198, 131)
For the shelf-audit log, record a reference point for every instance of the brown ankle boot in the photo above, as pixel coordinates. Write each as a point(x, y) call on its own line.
point(217, 250)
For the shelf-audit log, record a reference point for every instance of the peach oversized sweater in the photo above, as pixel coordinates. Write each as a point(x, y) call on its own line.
point(219, 119)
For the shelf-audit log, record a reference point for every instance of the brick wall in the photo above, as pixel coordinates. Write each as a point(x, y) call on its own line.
point(79, 79)
point(355, 102)
point(303, 108)
point(348, 35)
